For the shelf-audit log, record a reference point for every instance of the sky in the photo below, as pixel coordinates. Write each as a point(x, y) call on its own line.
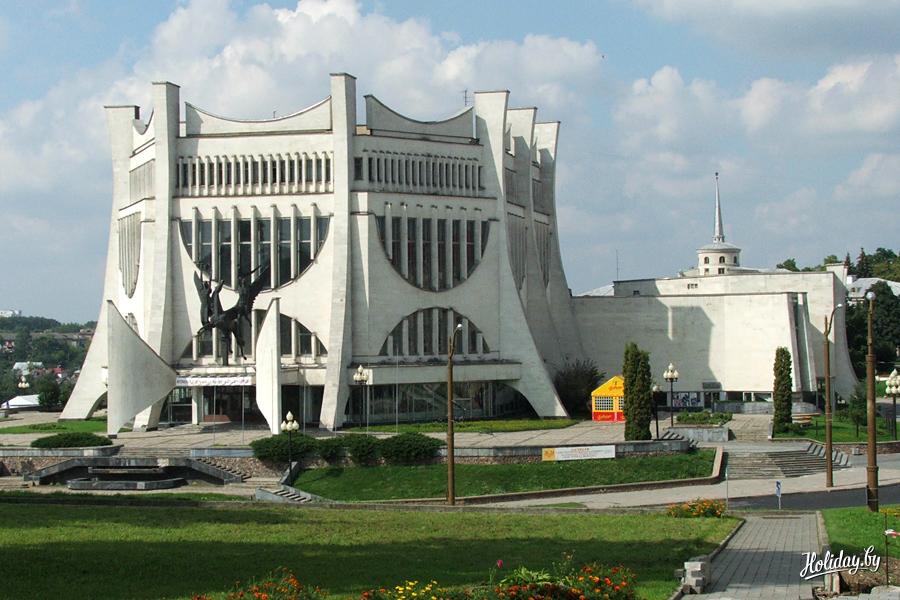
point(796, 103)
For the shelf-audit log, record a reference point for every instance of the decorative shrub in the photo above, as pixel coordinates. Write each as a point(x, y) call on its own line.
point(330, 449)
point(275, 448)
point(363, 449)
point(409, 448)
point(704, 417)
point(71, 440)
point(280, 584)
point(701, 507)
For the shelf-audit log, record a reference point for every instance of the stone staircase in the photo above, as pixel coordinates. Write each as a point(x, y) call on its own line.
point(224, 467)
point(776, 464)
point(283, 494)
point(750, 427)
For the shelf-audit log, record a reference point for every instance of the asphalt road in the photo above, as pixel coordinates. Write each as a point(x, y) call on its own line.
point(816, 500)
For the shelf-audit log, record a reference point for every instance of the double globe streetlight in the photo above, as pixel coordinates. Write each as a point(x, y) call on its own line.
point(671, 375)
point(289, 426)
point(893, 390)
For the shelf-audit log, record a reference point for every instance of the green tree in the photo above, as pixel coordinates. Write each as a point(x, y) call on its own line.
point(781, 389)
point(638, 400)
point(885, 329)
point(574, 383)
point(856, 406)
point(47, 388)
point(863, 264)
point(789, 263)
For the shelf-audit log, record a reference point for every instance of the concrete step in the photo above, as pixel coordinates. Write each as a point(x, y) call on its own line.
point(770, 465)
point(140, 452)
point(287, 496)
point(228, 469)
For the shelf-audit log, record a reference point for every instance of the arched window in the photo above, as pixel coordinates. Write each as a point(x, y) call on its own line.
point(735, 260)
point(705, 260)
point(722, 260)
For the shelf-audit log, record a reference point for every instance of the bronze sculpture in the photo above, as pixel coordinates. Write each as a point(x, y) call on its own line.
point(228, 321)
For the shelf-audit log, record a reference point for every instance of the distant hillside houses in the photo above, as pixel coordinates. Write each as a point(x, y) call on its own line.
point(9, 312)
point(857, 288)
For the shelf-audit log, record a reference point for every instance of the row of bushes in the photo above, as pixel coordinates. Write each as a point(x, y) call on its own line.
point(704, 417)
point(403, 449)
point(72, 439)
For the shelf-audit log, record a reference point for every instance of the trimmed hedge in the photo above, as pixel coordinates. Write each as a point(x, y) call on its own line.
point(71, 439)
point(409, 448)
point(363, 449)
point(275, 448)
point(330, 449)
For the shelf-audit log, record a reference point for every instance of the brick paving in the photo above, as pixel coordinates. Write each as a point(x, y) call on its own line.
point(764, 559)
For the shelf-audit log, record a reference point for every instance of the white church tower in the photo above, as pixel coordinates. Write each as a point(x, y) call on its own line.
point(719, 257)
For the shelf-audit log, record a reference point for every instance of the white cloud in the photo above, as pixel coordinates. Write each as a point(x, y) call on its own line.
point(877, 178)
point(793, 215)
point(829, 27)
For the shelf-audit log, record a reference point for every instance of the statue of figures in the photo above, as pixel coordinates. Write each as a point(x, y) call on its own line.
point(228, 322)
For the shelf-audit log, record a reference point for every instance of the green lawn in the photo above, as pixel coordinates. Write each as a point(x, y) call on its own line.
point(93, 425)
point(391, 482)
point(855, 529)
point(485, 426)
point(842, 431)
point(77, 552)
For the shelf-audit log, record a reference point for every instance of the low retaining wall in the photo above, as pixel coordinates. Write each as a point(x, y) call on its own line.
point(58, 452)
point(702, 433)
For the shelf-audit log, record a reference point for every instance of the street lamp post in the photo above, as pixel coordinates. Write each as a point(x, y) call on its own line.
point(871, 462)
point(289, 426)
point(451, 474)
point(893, 388)
point(361, 378)
point(671, 375)
point(655, 390)
point(829, 474)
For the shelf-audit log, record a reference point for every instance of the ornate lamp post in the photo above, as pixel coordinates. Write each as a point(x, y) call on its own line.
point(451, 459)
point(671, 375)
point(829, 474)
point(361, 378)
point(871, 462)
point(655, 390)
point(289, 426)
point(893, 389)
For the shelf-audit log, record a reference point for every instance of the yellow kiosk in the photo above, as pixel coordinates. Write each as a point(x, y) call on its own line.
point(607, 401)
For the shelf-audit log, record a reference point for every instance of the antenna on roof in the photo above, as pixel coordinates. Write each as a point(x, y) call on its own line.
point(274, 112)
point(465, 97)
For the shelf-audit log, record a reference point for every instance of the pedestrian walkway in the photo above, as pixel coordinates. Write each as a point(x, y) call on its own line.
point(764, 559)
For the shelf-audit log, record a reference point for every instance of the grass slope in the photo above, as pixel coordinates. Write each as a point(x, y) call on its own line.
point(842, 431)
point(391, 482)
point(855, 529)
point(88, 426)
point(486, 426)
point(137, 553)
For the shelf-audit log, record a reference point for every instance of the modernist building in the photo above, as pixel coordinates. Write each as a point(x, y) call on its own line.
point(377, 242)
point(380, 241)
point(720, 323)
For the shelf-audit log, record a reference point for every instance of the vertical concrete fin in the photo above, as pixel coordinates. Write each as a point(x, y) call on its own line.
point(268, 366)
point(138, 376)
point(89, 389)
point(340, 339)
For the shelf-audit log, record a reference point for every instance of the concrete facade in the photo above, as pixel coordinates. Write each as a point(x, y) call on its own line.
point(380, 238)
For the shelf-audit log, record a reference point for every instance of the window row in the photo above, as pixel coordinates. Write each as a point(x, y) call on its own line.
point(427, 332)
point(518, 247)
point(297, 172)
point(224, 249)
point(721, 260)
point(129, 234)
point(416, 173)
point(295, 341)
point(430, 253)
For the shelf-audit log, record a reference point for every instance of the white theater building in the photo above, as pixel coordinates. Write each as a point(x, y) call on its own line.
point(382, 238)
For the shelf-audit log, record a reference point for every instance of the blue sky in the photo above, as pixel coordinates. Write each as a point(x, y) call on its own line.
point(795, 102)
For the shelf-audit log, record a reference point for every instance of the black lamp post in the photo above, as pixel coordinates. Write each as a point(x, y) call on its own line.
point(871, 462)
point(451, 459)
point(671, 375)
point(289, 425)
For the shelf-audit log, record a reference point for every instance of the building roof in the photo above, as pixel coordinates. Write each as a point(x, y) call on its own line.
point(605, 290)
point(719, 247)
point(858, 288)
point(30, 401)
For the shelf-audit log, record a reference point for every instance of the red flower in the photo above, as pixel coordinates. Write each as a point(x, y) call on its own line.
point(499, 563)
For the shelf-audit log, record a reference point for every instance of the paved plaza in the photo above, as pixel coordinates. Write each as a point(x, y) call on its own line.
point(764, 559)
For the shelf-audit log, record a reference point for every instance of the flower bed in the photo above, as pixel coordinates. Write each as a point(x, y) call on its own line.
point(701, 507)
